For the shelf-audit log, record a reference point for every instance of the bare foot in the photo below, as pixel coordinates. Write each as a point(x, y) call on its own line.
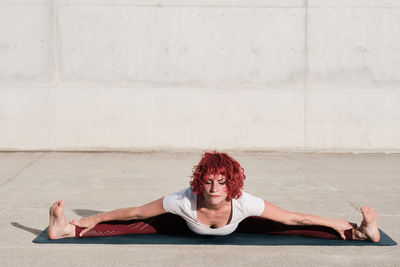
point(369, 225)
point(58, 225)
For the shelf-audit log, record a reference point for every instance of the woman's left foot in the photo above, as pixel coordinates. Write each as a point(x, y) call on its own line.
point(369, 225)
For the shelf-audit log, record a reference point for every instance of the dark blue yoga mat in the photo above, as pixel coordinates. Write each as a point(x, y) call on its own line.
point(232, 239)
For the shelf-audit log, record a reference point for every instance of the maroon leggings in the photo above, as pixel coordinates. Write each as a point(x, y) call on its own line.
point(173, 224)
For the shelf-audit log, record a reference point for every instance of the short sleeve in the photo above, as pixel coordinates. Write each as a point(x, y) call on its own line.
point(254, 206)
point(172, 203)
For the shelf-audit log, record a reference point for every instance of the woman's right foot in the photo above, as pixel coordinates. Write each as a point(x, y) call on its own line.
point(58, 225)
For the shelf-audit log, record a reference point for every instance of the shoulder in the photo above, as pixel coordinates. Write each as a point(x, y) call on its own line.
point(247, 197)
point(250, 204)
point(178, 200)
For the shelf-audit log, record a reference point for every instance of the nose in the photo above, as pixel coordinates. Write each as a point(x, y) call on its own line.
point(214, 187)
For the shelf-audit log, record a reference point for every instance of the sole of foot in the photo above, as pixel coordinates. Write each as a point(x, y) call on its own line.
point(369, 225)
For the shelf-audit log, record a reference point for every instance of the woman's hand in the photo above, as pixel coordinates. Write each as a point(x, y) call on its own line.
point(340, 226)
point(88, 223)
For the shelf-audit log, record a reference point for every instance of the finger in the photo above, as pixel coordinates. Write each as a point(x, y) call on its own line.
point(84, 231)
point(342, 235)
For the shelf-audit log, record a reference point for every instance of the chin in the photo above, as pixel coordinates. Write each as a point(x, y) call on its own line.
point(217, 200)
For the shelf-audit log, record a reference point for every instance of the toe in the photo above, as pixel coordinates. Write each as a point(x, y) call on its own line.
point(365, 208)
point(363, 211)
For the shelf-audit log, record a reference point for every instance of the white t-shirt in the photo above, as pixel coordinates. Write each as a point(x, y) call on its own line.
point(184, 203)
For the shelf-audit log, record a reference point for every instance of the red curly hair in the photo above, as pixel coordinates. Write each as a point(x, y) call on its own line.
point(218, 163)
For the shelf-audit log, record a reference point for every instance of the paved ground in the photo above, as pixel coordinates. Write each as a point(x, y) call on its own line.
point(325, 184)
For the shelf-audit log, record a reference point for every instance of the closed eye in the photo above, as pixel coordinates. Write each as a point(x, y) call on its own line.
point(209, 182)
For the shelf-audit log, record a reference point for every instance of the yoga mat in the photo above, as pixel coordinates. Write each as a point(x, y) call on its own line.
point(232, 239)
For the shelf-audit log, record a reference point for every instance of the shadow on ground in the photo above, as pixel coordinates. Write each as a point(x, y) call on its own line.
point(26, 228)
point(86, 213)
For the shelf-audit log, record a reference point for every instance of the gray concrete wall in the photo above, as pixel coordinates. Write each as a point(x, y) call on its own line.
point(172, 74)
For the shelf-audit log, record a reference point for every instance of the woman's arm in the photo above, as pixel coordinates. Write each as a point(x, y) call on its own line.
point(143, 212)
point(151, 209)
point(274, 213)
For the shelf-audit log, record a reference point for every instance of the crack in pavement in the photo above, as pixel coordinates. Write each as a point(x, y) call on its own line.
point(20, 171)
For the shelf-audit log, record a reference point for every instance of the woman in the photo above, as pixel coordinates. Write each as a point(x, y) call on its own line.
point(214, 204)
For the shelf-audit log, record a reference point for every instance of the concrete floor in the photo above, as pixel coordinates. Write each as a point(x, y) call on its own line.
point(333, 185)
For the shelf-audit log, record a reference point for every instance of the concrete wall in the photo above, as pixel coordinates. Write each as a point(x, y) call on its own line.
point(143, 74)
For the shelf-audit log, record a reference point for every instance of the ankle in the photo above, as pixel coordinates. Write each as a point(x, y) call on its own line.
point(71, 230)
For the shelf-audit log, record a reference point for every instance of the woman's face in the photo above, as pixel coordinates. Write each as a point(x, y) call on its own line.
point(215, 190)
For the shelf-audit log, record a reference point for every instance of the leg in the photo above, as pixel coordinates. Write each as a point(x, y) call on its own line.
point(162, 224)
point(263, 226)
point(165, 223)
